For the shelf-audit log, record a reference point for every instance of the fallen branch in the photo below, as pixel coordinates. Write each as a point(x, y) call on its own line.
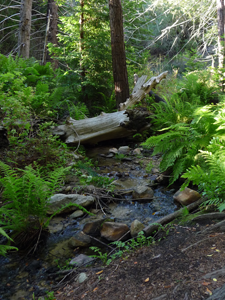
point(152, 227)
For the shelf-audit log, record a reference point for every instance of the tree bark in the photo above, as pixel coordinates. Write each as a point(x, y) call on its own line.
point(221, 39)
point(116, 125)
point(25, 28)
point(52, 13)
point(167, 219)
point(118, 52)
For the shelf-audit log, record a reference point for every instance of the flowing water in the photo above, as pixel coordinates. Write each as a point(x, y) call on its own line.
point(22, 276)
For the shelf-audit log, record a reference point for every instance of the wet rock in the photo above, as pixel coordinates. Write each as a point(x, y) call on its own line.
point(33, 266)
point(187, 196)
point(113, 150)
point(94, 228)
point(115, 231)
point(137, 151)
point(82, 277)
point(110, 155)
point(61, 250)
point(77, 214)
point(59, 200)
point(136, 227)
point(79, 240)
point(81, 260)
point(55, 225)
point(124, 150)
point(143, 191)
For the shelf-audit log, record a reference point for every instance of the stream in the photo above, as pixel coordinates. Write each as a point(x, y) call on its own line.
point(22, 277)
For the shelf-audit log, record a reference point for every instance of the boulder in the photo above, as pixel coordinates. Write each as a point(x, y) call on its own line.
point(186, 197)
point(112, 231)
point(59, 200)
point(81, 260)
point(143, 191)
point(113, 150)
point(94, 228)
point(79, 240)
point(136, 227)
point(124, 150)
point(82, 277)
point(137, 151)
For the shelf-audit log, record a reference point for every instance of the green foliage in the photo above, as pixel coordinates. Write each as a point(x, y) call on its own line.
point(180, 143)
point(27, 194)
point(209, 174)
point(122, 247)
point(5, 248)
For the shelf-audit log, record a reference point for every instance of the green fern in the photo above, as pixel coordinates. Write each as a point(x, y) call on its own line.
point(27, 193)
point(5, 248)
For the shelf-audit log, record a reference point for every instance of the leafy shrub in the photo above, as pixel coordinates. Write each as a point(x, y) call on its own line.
point(180, 143)
point(27, 194)
point(209, 174)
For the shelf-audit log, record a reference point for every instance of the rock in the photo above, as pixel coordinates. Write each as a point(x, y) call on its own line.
point(59, 200)
point(77, 214)
point(55, 225)
point(186, 197)
point(124, 150)
point(110, 155)
point(114, 231)
point(82, 277)
point(143, 191)
point(93, 228)
point(137, 151)
point(79, 240)
point(113, 150)
point(61, 250)
point(81, 260)
point(136, 227)
point(68, 188)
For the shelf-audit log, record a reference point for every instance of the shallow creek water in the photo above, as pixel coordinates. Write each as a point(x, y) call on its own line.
point(21, 277)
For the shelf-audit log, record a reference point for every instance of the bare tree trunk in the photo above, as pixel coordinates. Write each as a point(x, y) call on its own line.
point(221, 39)
point(52, 13)
point(24, 28)
point(118, 52)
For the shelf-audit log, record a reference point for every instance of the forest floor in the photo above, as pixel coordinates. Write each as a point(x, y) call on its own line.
point(173, 268)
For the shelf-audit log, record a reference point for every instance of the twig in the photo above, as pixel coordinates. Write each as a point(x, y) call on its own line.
point(183, 250)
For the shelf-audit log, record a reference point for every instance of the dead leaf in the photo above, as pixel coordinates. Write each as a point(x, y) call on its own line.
point(217, 250)
point(147, 279)
point(85, 294)
point(135, 262)
point(214, 279)
point(208, 292)
point(167, 286)
point(99, 272)
point(206, 283)
point(213, 248)
point(94, 290)
point(210, 255)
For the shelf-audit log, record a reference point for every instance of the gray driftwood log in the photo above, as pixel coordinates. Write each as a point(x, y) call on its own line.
point(107, 126)
point(165, 220)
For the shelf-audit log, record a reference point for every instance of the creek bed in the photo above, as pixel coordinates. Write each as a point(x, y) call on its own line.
point(21, 277)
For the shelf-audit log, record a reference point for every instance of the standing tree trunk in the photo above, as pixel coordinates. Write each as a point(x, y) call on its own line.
point(24, 28)
point(221, 39)
point(52, 13)
point(118, 52)
point(82, 67)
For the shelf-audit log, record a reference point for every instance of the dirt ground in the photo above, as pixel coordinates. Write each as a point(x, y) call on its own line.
point(172, 268)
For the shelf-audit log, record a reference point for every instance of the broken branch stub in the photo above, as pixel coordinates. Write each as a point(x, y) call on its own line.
point(141, 89)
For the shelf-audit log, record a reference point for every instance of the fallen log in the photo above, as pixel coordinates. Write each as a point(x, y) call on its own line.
point(107, 126)
point(165, 220)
